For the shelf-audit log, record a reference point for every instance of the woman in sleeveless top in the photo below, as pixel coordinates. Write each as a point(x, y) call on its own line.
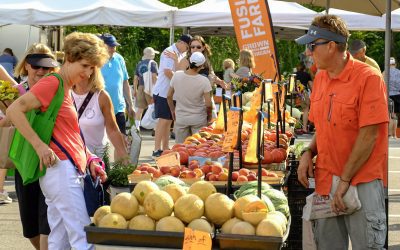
point(97, 121)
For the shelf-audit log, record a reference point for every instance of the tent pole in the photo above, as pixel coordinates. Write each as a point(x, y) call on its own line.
point(328, 5)
point(171, 35)
point(29, 37)
point(172, 28)
point(388, 40)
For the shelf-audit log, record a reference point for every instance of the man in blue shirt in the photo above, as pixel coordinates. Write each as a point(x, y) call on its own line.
point(116, 82)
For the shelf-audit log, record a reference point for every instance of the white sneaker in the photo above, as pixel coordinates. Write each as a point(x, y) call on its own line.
point(4, 198)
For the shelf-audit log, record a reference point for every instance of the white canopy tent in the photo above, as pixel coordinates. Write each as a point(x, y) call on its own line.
point(359, 21)
point(395, 20)
point(143, 13)
point(217, 13)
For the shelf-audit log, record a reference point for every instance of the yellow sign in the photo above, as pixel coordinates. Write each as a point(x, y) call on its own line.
point(231, 135)
point(196, 240)
point(291, 83)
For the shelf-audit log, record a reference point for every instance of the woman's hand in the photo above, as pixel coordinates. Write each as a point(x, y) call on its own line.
point(46, 155)
point(97, 170)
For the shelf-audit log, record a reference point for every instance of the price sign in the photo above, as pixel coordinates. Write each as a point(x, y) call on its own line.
point(196, 240)
point(231, 135)
point(291, 83)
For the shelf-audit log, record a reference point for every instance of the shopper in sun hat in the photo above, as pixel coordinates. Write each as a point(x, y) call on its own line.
point(144, 99)
point(35, 64)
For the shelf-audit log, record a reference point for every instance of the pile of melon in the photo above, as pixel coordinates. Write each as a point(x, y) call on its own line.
point(253, 216)
point(169, 208)
point(173, 207)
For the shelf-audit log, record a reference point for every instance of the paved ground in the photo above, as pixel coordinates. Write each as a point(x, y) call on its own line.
point(11, 231)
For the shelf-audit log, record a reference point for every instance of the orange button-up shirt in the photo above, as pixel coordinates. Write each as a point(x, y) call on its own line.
point(339, 108)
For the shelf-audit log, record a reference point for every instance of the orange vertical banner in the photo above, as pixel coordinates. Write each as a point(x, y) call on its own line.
point(253, 28)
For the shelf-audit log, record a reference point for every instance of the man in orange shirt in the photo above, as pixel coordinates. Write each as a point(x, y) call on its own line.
point(350, 113)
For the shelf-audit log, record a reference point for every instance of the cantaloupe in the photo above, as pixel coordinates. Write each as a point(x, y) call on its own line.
point(219, 208)
point(254, 212)
point(142, 222)
point(170, 224)
point(269, 227)
point(113, 220)
point(125, 204)
point(244, 228)
point(158, 204)
point(100, 213)
point(188, 208)
point(175, 191)
point(143, 188)
point(278, 217)
point(227, 226)
point(242, 202)
point(203, 189)
point(201, 225)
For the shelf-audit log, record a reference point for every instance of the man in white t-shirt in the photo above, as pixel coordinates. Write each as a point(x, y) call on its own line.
point(160, 91)
point(192, 93)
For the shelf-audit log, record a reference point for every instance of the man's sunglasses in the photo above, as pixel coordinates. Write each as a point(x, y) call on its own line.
point(311, 46)
point(196, 47)
point(39, 67)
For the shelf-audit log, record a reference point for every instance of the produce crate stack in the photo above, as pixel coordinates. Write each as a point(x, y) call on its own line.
point(297, 199)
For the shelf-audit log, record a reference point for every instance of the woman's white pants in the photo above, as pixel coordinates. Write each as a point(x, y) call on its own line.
point(66, 212)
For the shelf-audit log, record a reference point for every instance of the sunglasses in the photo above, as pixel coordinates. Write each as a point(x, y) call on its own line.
point(196, 47)
point(39, 67)
point(311, 46)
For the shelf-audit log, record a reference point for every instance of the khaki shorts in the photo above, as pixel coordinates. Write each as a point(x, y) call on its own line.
point(366, 227)
point(142, 99)
point(182, 131)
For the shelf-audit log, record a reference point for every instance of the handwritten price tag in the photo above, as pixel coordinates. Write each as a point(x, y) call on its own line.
point(196, 240)
point(231, 135)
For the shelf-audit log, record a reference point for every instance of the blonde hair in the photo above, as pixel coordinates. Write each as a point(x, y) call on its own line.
point(96, 80)
point(335, 24)
point(246, 59)
point(228, 63)
point(36, 48)
point(78, 46)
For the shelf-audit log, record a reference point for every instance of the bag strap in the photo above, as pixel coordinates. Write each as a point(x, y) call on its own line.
point(65, 152)
point(149, 66)
point(84, 104)
point(58, 98)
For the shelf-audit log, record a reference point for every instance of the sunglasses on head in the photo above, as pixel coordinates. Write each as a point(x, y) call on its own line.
point(39, 67)
point(311, 46)
point(195, 47)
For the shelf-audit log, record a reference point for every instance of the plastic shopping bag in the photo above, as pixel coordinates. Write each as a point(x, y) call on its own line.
point(149, 120)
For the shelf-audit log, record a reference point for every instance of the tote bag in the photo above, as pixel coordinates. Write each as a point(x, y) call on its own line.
point(21, 151)
point(148, 80)
point(6, 135)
